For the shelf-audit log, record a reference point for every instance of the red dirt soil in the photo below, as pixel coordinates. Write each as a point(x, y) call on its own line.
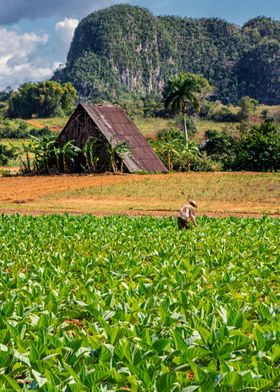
point(23, 194)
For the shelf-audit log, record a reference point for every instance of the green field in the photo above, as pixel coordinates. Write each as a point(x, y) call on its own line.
point(53, 123)
point(133, 304)
point(148, 126)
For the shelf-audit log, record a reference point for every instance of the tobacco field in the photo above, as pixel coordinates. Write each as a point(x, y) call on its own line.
point(133, 304)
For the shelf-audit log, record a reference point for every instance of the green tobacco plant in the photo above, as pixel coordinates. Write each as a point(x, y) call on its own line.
point(133, 304)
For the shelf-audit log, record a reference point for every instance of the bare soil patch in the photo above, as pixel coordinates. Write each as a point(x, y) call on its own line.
point(218, 194)
point(25, 188)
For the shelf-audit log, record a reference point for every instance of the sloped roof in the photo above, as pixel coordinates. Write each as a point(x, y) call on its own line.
point(117, 128)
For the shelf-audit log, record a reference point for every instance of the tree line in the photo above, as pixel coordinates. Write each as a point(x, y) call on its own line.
point(254, 148)
point(42, 99)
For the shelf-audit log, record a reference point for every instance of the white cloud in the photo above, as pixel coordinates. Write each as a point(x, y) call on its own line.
point(19, 62)
point(34, 56)
point(65, 31)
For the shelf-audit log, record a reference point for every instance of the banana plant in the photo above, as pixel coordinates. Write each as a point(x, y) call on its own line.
point(117, 150)
point(90, 152)
point(69, 152)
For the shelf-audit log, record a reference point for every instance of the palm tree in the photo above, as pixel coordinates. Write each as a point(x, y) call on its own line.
point(184, 92)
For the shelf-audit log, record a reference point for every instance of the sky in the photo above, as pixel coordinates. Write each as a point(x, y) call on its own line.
point(36, 34)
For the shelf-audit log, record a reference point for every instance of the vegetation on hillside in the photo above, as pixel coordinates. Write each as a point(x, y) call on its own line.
point(123, 52)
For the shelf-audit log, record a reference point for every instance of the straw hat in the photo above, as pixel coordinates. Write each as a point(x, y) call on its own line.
point(193, 203)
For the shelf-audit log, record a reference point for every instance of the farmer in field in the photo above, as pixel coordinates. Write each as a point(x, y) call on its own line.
point(187, 215)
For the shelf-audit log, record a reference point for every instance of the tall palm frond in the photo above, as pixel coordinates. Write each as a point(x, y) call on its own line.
point(183, 92)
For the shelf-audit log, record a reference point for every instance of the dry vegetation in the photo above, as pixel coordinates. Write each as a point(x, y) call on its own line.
point(217, 194)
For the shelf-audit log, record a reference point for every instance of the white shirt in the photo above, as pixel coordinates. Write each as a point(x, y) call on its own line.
point(187, 212)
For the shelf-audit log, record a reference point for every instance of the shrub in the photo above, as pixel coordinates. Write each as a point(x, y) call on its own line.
point(134, 108)
point(176, 155)
point(220, 147)
point(259, 150)
point(247, 108)
point(217, 112)
point(5, 154)
point(170, 135)
point(9, 131)
point(152, 104)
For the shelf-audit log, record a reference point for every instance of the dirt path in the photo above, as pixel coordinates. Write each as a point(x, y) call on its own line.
point(159, 214)
point(38, 124)
point(35, 123)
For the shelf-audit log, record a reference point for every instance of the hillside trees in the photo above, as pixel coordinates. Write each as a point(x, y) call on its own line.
point(258, 72)
point(263, 26)
point(183, 95)
point(42, 99)
point(127, 51)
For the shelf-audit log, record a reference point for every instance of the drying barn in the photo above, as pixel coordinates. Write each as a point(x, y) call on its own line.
point(109, 140)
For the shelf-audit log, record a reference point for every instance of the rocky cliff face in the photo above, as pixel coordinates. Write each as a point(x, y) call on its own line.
point(125, 51)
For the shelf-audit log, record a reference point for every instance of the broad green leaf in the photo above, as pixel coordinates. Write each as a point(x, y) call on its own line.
point(160, 344)
point(196, 352)
point(7, 308)
point(165, 382)
point(41, 380)
point(11, 382)
point(259, 338)
point(275, 353)
point(233, 380)
point(99, 373)
point(260, 384)
point(180, 343)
